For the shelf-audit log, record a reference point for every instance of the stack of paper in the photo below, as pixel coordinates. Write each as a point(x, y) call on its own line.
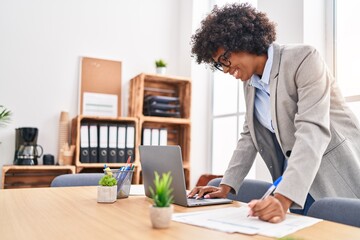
point(234, 219)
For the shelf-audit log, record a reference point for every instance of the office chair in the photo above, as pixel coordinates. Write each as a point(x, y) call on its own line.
point(336, 209)
point(249, 190)
point(79, 179)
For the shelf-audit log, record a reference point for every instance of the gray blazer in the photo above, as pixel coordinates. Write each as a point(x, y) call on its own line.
point(317, 132)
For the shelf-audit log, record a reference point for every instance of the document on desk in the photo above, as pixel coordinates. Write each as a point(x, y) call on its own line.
point(234, 219)
point(137, 190)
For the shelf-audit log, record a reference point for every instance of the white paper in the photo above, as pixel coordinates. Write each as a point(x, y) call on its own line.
point(234, 219)
point(137, 190)
point(98, 104)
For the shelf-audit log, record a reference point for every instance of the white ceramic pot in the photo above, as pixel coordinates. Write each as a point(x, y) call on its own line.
point(161, 216)
point(106, 194)
point(161, 70)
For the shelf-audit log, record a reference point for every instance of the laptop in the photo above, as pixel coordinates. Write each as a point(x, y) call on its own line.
point(163, 159)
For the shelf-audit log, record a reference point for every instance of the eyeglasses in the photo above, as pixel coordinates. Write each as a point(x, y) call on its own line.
point(223, 61)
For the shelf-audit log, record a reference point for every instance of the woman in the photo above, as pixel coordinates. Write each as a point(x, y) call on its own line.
point(296, 117)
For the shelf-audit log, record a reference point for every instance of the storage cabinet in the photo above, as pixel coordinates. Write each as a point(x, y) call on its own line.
point(145, 85)
point(178, 128)
point(14, 176)
point(82, 167)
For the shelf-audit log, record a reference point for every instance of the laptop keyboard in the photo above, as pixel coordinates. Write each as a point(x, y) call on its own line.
point(195, 202)
point(194, 199)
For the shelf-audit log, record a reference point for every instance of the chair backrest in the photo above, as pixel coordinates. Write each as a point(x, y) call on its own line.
point(79, 179)
point(340, 210)
point(250, 189)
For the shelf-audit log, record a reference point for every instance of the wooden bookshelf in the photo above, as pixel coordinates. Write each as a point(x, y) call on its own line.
point(179, 129)
point(98, 167)
point(154, 84)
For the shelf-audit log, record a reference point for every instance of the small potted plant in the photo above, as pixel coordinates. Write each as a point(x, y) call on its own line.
point(107, 191)
point(160, 66)
point(162, 195)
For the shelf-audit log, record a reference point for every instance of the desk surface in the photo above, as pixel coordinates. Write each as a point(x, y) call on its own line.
point(73, 213)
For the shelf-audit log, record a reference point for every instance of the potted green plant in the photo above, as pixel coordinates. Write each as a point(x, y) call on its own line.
point(160, 66)
point(162, 196)
point(107, 189)
point(5, 115)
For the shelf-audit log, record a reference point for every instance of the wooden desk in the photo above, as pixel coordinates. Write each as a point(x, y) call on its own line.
point(73, 213)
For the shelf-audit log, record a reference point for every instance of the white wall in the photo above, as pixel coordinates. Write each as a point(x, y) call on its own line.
point(41, 42)
point(288, 15)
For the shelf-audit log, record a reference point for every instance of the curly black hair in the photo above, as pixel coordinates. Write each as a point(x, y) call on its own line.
point(234, 27)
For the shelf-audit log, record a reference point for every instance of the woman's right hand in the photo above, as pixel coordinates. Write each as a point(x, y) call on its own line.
point(210, 191)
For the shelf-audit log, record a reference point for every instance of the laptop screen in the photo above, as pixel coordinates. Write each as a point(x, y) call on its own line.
point(163, 159)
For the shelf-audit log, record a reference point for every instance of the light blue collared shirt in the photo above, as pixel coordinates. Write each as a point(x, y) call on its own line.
point(262, 93)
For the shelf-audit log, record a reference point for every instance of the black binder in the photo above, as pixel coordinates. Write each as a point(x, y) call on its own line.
point(112, 143)
point(121, 143)
point(103, 142)
point(155, 136)
point(146, 136)
point(130, 142)
point(163, 136)
point(84, 143)
point(93, 142)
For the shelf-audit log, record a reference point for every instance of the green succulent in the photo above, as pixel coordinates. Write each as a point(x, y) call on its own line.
point(5, 115)
point(162, 195)
point(160, 63)
point(108, 180)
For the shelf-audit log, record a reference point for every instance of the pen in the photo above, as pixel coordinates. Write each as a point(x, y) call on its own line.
point(272, 188)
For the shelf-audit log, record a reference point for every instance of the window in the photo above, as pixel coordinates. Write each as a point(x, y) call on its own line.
point(228, 118)
point(347, 51)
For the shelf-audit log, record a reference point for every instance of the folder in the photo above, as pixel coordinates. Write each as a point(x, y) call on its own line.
point(146, 138)
point(103, 143)
point(163, 106)
point(84, 143)
point(121, 141)
point(155, 136)
point(130, 142)
point(93, 136)
point(112, 143)
point(163, 137)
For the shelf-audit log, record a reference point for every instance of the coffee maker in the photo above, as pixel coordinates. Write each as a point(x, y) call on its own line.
point(27, 151)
